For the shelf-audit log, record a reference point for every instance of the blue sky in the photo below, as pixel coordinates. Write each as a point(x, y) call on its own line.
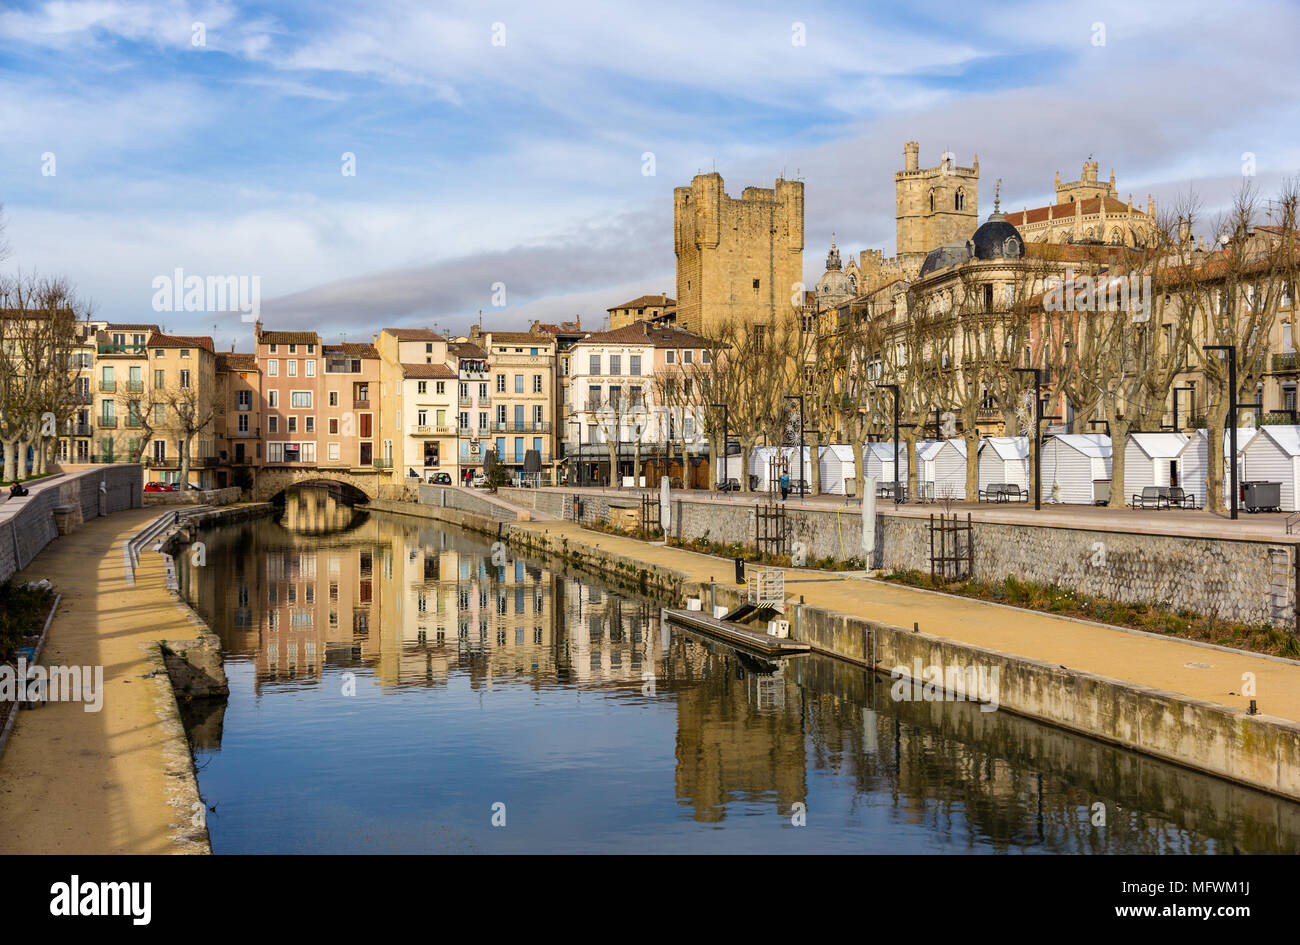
point(522, 163)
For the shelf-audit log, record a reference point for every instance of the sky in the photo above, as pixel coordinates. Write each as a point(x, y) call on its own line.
point(502, 151)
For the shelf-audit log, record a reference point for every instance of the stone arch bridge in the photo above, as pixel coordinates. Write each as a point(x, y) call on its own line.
point(351, 484)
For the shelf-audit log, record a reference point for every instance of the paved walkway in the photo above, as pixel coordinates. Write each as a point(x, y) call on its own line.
point(73, 781)
point(1180, 666)
point(1268, 526)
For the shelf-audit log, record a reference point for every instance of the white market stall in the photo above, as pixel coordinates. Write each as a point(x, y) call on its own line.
point(947, 469)
point(1273, 455)
point(837, 468)
point(1073, 464)
point(1194, 469)
point(766, 463)
point(1151, 459)
point(1003, 459)
point(879, 458)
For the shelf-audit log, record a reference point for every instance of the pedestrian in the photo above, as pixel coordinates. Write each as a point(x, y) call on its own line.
point(785, 485)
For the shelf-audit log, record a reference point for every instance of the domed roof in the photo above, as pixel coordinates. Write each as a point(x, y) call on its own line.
point(834, 285)
point(996, 238)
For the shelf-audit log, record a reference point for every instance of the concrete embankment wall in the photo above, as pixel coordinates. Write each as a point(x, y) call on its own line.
point(1259, 751)
point(1250, 580)
point(195, 497)
point(27, 524)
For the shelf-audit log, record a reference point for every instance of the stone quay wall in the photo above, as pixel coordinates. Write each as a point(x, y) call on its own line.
point(27, 523)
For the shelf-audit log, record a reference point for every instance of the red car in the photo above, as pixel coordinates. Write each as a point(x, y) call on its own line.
point(159, 487)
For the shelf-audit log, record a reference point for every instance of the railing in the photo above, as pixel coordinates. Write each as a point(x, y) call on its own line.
point(134, 387)
point(427, 429)
point(1285, 361)
point(120, 349)
point(106, 423)
point(132, 423)
point(247, 434)
point(511, 426)
point(360, 403)
point(382, 463)
point(153, 462)
point(107, 386)
point(78, 397)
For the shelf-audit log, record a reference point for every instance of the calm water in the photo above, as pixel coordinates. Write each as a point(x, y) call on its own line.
point(391, 686)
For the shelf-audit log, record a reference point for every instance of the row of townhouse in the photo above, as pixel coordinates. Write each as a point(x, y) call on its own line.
point(406, 407)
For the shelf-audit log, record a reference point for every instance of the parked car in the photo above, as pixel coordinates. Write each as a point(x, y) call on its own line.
point(441, 479)
point(478, 481)
point(159, 487)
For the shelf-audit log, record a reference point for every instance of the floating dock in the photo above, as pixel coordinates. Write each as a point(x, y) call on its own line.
point(736, 634)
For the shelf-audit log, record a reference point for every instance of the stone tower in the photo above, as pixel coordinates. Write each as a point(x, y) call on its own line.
point(1086, 187)
point(936, 205)
point(737, 260)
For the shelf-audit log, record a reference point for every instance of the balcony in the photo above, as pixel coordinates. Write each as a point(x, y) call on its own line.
point(247, 434)
point(132, 423)
point(106, 423)
point(1285, 361)
point(510, 426)
point(360, 403)
point(135, 387)
point(78, 397)
point(137, 350)
point(154, 462)
point(80, 429)
point(426, 429)
point(107, 387)
point(382, 463)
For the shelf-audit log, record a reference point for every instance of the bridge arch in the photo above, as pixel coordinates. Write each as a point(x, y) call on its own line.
point(270, 483)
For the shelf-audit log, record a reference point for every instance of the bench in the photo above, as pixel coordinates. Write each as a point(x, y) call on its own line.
point(1013, 493)
point(991, 492)
point(1152, 497)
point(1184, 500)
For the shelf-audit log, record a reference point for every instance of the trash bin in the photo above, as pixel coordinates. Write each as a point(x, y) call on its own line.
point(1260, 496)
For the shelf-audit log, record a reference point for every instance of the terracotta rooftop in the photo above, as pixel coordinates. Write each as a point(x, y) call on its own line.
point(414, 334)
point(520, 338)
point(645, 301)
point(288, 338)
point(354, 349)
point(467, 349)
point(1061, 211)
point(159, 340)
point(440, 371)
point(236, 361)
point(125, 326)
point(645, 333)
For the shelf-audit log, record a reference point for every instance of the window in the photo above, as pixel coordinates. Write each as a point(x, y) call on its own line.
point(538, 415)
point(755, 283)
point(293, 424)
point(243, 423)
point(959, 200)
point(519, 383)
point(185, 380)
point(334, 398)
point(440, 387)
point(422, 387)
point(615, 364)
point(706, 357)
point(273, 366)
point(158, 353)
point(501, 413)
point(292, 368)
point(688, 356)
point(159, 414)
point(300, 399)
point(501, 383)
point(364, 422)
point(293, 349)
point(185, 352)
point(244, 400)
point(595, 364)
point(537, 383)
point(311, 368)
point(273, 398)
point(159, 378)
point(334, 426)
point(272, 424)
point(670, 357)
point(634, 364)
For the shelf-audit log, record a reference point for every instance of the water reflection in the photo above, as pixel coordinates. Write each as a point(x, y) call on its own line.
point(480, 677)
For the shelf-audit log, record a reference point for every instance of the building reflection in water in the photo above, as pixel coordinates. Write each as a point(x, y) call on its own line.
point(326, 587)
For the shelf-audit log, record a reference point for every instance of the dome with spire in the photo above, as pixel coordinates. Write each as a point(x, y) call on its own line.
point(996, 238)
point(834, 286)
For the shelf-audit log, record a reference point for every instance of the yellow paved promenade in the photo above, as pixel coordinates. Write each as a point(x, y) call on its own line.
point(73, 781)
point(1145, 659)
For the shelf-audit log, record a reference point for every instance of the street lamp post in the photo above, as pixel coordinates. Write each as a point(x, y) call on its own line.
point(1232, 418)
point(799, 398)
point(724, 444)
point(894, 388)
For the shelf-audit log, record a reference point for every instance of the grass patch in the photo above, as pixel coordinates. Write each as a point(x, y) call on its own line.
point(1153, 617)
point(21, 609)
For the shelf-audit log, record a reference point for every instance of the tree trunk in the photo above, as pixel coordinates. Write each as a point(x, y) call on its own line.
point(913, 474)
point(1118, 437)
point(859, 468)
point(185, 464)
point(1215, 422)
point(972, 440)
point(10, 451)
point(746, 450)
point(814, 457)
point(22, 458)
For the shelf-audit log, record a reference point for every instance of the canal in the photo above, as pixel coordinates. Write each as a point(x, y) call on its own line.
point(401, 686)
